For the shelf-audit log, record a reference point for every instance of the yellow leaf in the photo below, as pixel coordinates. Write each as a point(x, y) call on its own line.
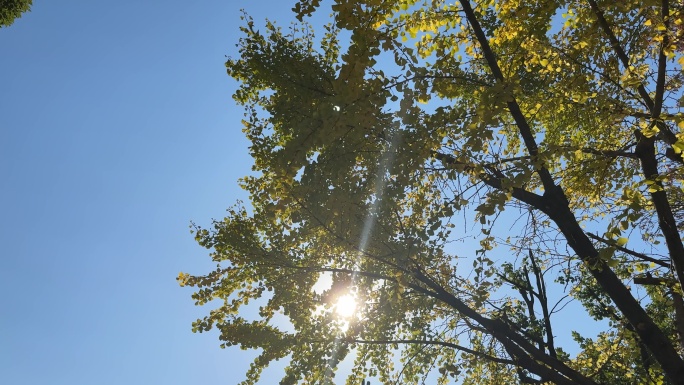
point(678, 147)
point(648, 22)
point(650, 131)
point(621, 241)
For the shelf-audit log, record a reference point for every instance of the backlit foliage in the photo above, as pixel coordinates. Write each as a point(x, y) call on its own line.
point(474, 173)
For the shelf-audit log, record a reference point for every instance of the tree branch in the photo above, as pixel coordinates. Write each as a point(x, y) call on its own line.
point(662, 64)
point(514, 108)
point(628, 251)
point(543, 301)
point(524, 354)
point(438, 343)
point(554, 204)
point(492, 181)
point(654, 107)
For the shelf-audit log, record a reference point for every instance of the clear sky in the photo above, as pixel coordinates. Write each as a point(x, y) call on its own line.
point(117, 128)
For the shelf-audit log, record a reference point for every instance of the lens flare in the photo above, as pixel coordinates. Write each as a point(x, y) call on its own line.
point(345, 306)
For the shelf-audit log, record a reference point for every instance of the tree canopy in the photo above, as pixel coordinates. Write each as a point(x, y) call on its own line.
point(11, 10)
point(474, 174)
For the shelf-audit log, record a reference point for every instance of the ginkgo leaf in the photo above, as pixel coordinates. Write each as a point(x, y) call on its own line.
point(451, 164)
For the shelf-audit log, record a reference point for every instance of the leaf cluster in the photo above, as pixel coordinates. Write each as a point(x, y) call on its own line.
point(470, 172)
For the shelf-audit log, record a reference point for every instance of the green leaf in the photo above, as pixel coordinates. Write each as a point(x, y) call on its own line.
point(537, 127)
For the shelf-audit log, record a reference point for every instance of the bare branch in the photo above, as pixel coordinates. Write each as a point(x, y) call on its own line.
point(433, 342)
point(628, 251)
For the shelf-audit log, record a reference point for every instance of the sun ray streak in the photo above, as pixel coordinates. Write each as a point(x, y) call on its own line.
point(386, 162)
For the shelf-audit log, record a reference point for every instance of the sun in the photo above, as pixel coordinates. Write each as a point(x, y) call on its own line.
point(345, 306)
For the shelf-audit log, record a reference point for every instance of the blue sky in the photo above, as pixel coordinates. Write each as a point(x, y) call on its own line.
point(117, 128)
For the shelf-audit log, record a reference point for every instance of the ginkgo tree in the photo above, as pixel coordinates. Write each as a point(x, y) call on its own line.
point(469, 175)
